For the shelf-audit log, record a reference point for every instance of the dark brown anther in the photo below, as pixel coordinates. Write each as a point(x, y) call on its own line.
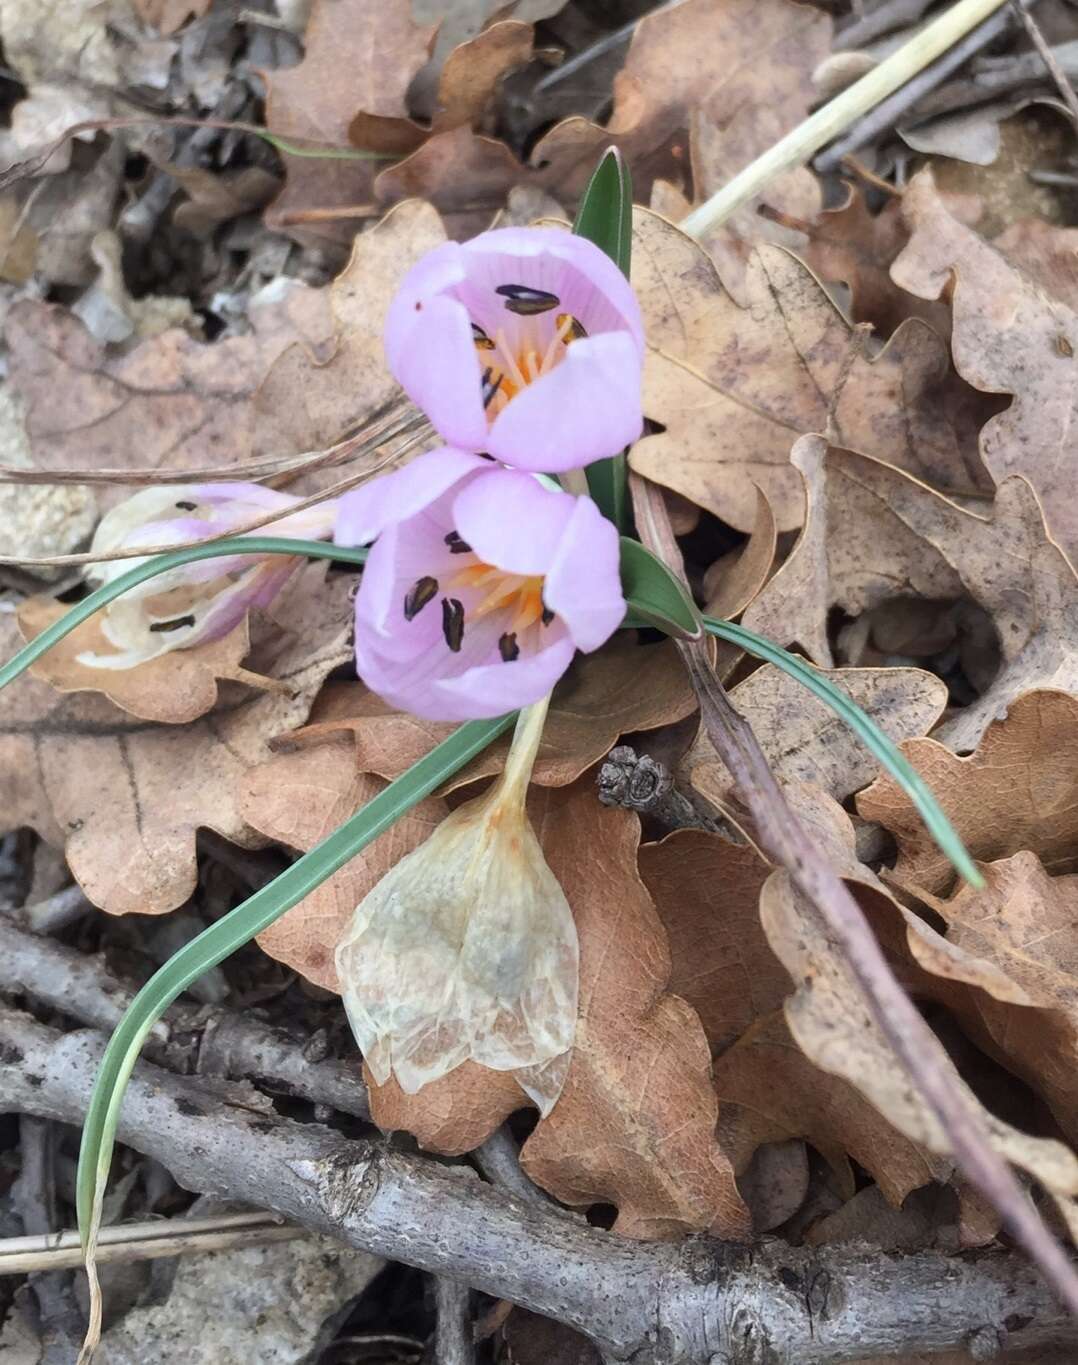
point(576, 330)
point(453, 623)
point(481, 339)
point(187, 506)
point(527, 302)
point(490, 388)
point(508, 647)
point(180, 623)
point(456, 545)
point(418, 595)
point(547, 616)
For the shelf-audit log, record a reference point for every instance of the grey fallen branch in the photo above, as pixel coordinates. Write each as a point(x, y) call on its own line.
point(694, 1302)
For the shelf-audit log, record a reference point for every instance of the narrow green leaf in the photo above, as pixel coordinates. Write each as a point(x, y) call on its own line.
point(158, 564)
point(654, 595)
point(238, 927)
point(605, 216)
point(867, 731)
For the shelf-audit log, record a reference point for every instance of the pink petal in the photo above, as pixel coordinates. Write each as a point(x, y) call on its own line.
point(432, 355)
point(585, 280)
point(366, 511)
point(583, 583)
point(510, 520)
point(585, 409)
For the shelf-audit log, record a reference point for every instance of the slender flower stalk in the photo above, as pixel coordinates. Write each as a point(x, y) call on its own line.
point(467, 948)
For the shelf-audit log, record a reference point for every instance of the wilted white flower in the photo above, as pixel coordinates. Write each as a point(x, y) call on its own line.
point(467, 948)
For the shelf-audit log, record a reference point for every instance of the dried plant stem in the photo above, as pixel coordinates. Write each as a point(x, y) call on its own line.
point(838, 114)
point(146, 1241)
point(454, 1340)
point(784, 840)
point(1048, 57)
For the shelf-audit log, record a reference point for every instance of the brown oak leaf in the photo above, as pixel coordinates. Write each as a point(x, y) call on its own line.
point(733, 386)
point(1018, 791)
point(1009, 336)
point(171, 401)
point(124, 797)
point(624, 687)
point(873, 533)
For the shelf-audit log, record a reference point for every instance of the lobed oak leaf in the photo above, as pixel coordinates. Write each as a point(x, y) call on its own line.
point(310, 400)
point(298, 799)
point(171, 401)
point(124, 797)
point(871, 529)
point(732, 386)
point(1009, 336)
point(1007, 967)
point(835, 1029)
point(622, 688)
point(805, 741)
point(171, 689)
point(1018, 791)
point(359, 55)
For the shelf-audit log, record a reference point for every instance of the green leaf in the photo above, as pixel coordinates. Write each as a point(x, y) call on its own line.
point(605, 216)
point(654, 595)
point(239, 927)
point(867, 731)
point(158, 564)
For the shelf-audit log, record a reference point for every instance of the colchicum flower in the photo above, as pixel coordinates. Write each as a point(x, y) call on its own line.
point(525, 343)
point(467, 948)
point(481, 586)
point(197, 602)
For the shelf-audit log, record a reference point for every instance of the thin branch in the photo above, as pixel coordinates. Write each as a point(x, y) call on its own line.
point(1048, 57)
point(641, 1301)
point(454, 1338)
point(784, 840)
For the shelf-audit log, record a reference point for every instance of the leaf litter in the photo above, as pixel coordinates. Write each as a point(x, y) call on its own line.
point(858, 401)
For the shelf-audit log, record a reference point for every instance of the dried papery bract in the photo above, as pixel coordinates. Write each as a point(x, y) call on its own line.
point(468, 949)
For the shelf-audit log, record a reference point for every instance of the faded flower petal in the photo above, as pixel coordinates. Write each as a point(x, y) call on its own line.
point(525, 343)
point(455, 614)
point(197, 602)
point(467, 949)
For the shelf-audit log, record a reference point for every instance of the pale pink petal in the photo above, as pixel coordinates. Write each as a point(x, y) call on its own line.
point(585, 409)
point(435, 361)
point(511, 520)
point(366, 511)
point(583, 582)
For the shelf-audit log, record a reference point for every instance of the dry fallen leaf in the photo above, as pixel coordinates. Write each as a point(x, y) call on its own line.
point(634, 1126)
point(734, 386)
point(1019, 791)
point(171, 401)
point(1011, 952)
point(171, 689)
point(733, 581)
point(125, 797)
point(834, 1028)
point(298, 799)
point(308, 401)
point(359, 55)
point(1009, 337)
point(622, 688)
point(873, 533)
point(168, 15)
point(800, 1100)
point(706, 891)
point(805, 741)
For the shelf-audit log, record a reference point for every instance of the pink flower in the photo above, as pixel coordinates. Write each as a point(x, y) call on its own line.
point(481, 585)
point(197, 602)
point(525, 343)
